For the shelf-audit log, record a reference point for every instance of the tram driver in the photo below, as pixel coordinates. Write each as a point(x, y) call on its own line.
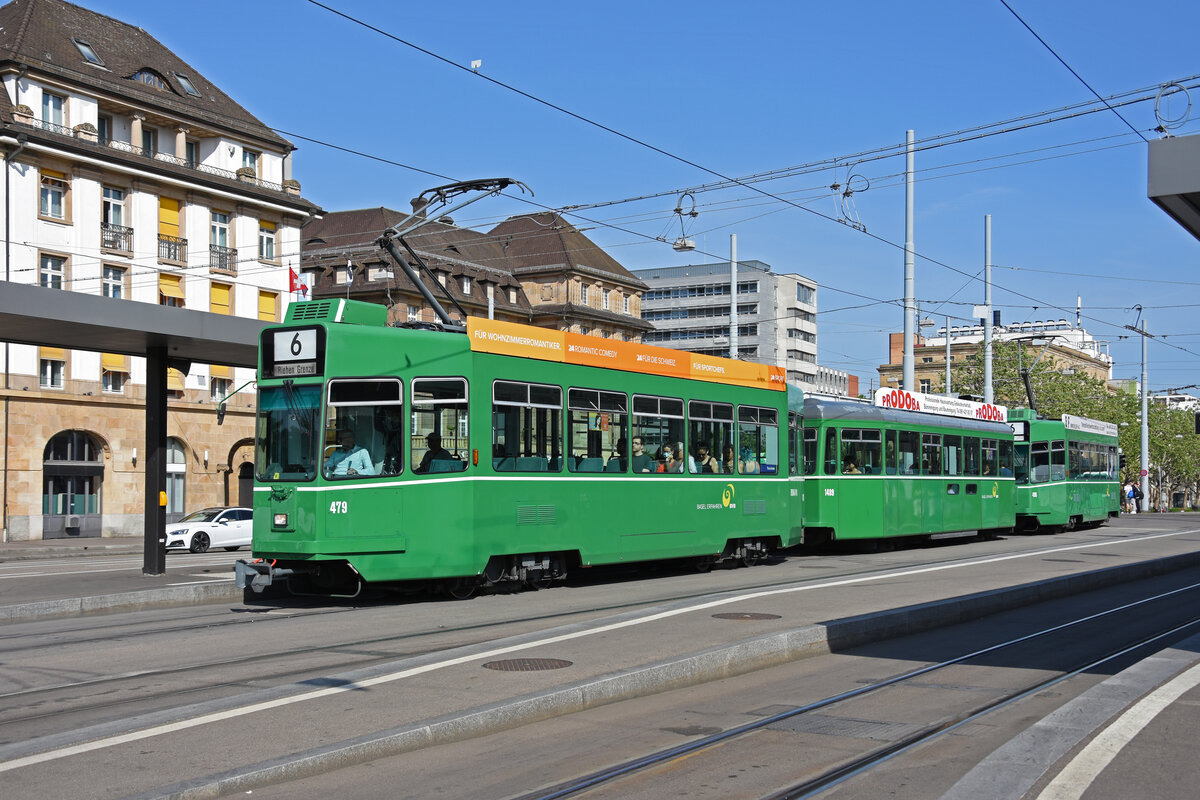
point(348, 459)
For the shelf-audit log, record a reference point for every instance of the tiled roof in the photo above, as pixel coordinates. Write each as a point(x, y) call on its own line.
point(546, 240)
point(40, 33)
point(340, 232)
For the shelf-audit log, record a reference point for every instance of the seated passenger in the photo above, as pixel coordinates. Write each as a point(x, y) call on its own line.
point(641, 460)
point(707, 462)
point(746, 463)
point(727, 465)
point(850, 465)
point(434, 453)
point(674, 457)
point(348, 459)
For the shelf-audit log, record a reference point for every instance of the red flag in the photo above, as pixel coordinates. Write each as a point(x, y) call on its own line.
point(295, 284)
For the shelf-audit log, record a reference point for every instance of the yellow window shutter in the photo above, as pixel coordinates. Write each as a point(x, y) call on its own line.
point(266, 306)
point(52, 354)
point(168, 216)
point(174, 380)
point(49, 173)
point(170, 285)
point(266, 226)
point(114, 362)
point(218, 371)
point(219, 298)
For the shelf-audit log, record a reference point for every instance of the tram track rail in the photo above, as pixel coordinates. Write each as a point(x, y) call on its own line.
point(608, 779)
point(104, 685)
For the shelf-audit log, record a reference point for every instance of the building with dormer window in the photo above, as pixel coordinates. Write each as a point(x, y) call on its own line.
point(129, 175)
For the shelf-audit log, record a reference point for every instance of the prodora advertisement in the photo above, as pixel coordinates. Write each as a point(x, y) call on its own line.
point(940, 404)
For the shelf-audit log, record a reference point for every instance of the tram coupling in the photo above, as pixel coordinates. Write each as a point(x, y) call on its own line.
point(258, 575)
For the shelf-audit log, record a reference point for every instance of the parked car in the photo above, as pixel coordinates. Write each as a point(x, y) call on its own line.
point(211, 527)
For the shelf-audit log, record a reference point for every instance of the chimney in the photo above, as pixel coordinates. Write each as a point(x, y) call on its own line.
point(418, 206)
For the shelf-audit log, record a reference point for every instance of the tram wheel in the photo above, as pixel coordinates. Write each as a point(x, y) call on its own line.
point(461, 588)
point(541, 580)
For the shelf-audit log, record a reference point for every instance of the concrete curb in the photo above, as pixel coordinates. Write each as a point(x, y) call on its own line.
point(700, 667)
point(141, 600)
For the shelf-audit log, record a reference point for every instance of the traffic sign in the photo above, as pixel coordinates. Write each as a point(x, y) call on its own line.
point(1145, 473)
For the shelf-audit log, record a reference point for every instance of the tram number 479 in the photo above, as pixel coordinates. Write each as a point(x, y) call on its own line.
point(339, 507)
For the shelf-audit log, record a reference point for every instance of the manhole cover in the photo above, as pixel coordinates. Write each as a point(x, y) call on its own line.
point(527, 664)
point(745, 615)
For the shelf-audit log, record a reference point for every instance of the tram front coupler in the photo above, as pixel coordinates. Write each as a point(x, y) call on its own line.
point(258, 575)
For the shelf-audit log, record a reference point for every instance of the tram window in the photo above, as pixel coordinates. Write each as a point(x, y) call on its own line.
point(1021, 463)
point(710, 426)
point(1039, 462)
point(1075, 459)
point(831, 451)
point(597, 431)
point(658, 426)
point(991, 455)
point(861, 451)
point(809, 460)
point(1114, 462)
point(931, 454)
point(910, 455)
point(1006, 459)
point(371, 411)
point(1058, 460)
point(952, 455)
point(440, 441)
point(793, 443)
point(288, 433)
point(890, 453)
point(758, 440)
point(526, 427)
point(970, 455)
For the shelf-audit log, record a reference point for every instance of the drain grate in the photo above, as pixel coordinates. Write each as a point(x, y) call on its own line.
point(748, 615)
point(526, 664)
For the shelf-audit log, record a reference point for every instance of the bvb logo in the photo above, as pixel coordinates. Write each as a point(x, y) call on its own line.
point(995, 488)
point(727, 495)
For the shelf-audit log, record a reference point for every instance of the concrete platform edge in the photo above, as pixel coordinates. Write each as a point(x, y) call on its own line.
point(689, 670)
point(216, 592)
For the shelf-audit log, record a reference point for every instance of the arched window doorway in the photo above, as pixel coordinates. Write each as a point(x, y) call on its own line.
point(72, 477)
point(246, 485)
point(176, 480)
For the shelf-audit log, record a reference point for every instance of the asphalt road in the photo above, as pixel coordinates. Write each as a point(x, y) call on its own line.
point(225, 697)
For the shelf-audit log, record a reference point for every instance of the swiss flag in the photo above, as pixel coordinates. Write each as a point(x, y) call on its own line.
point(295, 284)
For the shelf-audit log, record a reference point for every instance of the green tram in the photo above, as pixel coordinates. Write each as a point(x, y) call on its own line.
point(1066, 471)
point(512, 454)
point(873, 472)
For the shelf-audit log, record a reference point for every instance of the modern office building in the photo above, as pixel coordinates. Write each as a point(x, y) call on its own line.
point(690, 308)
point(129, 175)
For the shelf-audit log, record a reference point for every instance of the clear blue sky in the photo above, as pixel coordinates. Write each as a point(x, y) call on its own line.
point(741, 89)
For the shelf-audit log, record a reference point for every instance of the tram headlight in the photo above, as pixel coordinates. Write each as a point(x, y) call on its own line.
point(280, 520)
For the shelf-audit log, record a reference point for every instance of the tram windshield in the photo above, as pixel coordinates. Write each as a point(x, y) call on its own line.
point(286, 434)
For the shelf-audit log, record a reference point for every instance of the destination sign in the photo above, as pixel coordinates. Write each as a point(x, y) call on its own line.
point(294, 370)
point(293, 352)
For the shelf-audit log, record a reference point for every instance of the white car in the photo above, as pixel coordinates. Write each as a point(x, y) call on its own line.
point(211, 527)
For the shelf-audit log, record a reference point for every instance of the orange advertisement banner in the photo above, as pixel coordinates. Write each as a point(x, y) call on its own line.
point(526, 341)
point(512, 339)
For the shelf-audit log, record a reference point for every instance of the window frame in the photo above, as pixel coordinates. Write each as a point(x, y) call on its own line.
point(51, 183)
point(534, 416)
